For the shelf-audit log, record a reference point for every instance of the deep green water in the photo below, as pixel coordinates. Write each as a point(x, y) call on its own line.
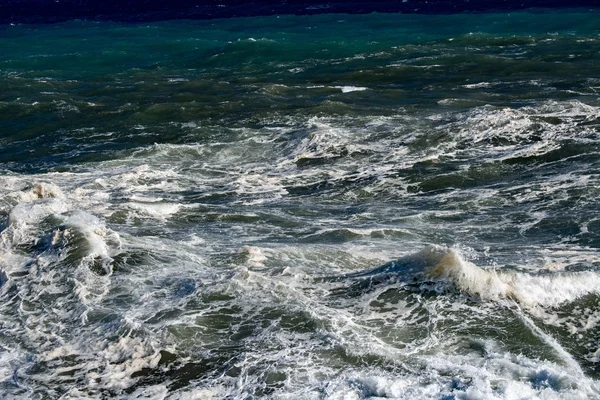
point(317, 207)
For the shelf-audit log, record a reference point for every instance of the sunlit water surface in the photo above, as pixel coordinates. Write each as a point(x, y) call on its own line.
point(318, 207)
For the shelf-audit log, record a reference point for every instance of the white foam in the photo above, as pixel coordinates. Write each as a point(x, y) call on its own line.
point(497, 376)
point(503, 133)
point(155, 392)
point(349, 89)
point(119, 360)
point(554, 289)
point(145, 199)
point(155, 209)
point(344, 89)
point(27, 213)
point(269, 187)
point(478, 85)
point(32, 206)
point(325, 141)
point(9, 360)
point(254, 256)
point(95, 233)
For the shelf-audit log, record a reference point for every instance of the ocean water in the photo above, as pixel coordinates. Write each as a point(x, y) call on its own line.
point(302, 207)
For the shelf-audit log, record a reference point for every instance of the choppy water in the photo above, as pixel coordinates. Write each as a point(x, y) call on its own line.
point(318, 207)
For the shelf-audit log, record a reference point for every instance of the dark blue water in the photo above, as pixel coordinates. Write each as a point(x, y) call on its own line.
point(321, 206)
point(42, 11)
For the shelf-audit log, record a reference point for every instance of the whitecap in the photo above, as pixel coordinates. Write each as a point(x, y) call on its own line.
point(349, 89)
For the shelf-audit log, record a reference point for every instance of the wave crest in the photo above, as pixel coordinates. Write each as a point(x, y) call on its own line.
point(446, 267)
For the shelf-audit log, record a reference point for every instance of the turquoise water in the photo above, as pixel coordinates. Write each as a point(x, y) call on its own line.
point(301, 207)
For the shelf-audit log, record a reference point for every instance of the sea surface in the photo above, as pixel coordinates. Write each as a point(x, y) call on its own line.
point(302, 207)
